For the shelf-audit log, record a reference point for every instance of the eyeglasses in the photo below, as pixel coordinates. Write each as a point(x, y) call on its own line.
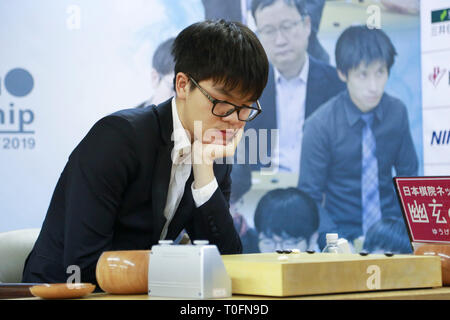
point(286, 28)
point(223, 108)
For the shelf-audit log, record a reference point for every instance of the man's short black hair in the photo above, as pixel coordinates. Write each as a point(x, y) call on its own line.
point(226, 52)
point(290, 210)
point(359, 44)
point(388, 234)
point(300, 5)
point(162, 60)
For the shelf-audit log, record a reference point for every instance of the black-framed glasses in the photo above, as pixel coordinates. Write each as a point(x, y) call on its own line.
point(222, 108)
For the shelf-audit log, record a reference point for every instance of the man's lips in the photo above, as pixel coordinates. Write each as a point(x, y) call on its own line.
point(223, 136)
point(283, 52)
point(228, 134)
point(219, 136)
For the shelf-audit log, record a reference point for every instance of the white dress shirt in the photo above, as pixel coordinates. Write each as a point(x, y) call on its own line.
point(290, 108)
point(180, 172)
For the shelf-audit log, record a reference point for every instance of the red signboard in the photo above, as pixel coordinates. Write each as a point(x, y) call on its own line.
point(425, 202)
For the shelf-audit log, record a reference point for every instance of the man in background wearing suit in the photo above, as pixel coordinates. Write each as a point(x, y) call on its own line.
point(144, 174)
point(354, 141)
point(297, 84)
point(239, 10)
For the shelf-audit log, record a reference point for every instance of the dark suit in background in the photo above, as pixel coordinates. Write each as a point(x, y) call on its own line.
point(112, 194)
point(332, 163)
point(315, 49)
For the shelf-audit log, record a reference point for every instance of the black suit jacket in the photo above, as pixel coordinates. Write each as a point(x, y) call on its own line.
point(112, 193)
point(322, 84)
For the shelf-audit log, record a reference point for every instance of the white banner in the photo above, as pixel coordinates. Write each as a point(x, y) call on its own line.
point(435, 38)
point(63, 66)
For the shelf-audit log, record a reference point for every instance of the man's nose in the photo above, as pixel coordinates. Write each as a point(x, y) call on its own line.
point(280, 38)
point(373, 84)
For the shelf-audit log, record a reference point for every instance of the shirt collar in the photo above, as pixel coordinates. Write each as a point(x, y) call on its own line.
point(354, 114)
point(182, 144)
point(302, 76)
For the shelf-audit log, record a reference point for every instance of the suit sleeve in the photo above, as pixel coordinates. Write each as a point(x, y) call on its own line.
point(99, 171)
point(212, 221)
point(406, 163)
point(204, 193)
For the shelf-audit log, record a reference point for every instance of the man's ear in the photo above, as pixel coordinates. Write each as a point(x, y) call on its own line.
point(342, 76)
point(181, 85)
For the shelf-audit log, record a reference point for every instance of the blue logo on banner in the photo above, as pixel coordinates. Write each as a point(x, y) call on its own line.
point(19, 82)
point(441, 137)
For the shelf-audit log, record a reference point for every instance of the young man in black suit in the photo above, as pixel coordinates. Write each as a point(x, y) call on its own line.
point(144, 174)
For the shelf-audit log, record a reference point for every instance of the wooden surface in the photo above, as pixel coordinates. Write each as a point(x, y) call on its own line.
point(443, 252)
point(327, 276)
point(272, 274)
point(442, 293)
point(15, 290)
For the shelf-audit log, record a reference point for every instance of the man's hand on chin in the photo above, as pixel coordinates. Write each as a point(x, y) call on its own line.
point(204, 154)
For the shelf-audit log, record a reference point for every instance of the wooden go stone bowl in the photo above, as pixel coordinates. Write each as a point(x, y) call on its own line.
point(123, 272)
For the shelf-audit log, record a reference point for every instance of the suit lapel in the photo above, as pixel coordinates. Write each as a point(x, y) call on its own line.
point(160, 186)
point(268, 104)
point(312, 87)
point(163, 166)
point(267, 120)
point(182, 214)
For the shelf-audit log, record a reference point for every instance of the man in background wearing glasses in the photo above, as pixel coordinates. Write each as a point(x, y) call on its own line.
point(145, 174)
point(298, 83)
